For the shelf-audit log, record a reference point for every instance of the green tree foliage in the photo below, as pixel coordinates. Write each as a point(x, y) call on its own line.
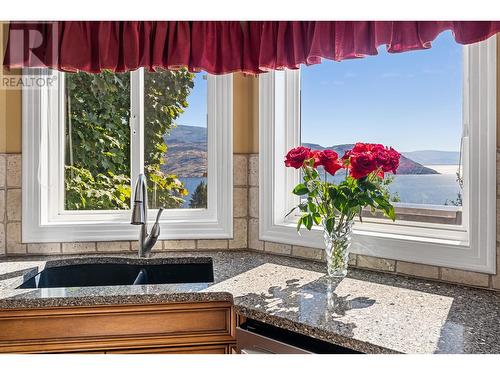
point(384, 187)
point(165, 98)
point(199, 197)
point(459, 200)
point(98, 137)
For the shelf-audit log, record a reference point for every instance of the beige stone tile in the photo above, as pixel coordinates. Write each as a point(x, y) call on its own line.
point(253, 170)
point(212, 244)
point(2, 238)
point(353, 258)
point(498, 171)
point(253, 235)
point(13, 242)
point(240, 202)
point(240, 234)
point(14, 170)
point(113, 246)
point(253, 202)
point(379, 264)
point(495, 279)
point(78, 247)
point(277, 248)
point(14, 209)
point(498, 219)
point(135, 245)
point(464, 277)
point(307, 252)
point(44, 248)
point(418, 270)
point(3, 170)
point(2, 206)
point(240, 170)
point(179, 244)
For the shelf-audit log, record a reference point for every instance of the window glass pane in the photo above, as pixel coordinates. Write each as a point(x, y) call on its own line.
point(411, 101)
point(175, 140)
point(97, 137)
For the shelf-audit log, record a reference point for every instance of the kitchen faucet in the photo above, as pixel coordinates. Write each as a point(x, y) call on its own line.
point(140, 217)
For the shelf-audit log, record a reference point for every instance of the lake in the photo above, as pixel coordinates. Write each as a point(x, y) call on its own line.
point(428, 188)
point(419, 189)
point(425, 188)
point(190, 183)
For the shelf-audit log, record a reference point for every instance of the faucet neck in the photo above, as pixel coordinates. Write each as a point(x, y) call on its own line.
point(140, 217)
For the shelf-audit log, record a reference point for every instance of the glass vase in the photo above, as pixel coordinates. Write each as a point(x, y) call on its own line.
point(337, 249)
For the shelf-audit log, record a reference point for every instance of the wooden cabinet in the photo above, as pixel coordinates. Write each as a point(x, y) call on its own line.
point(202, 349)
point(204, 327)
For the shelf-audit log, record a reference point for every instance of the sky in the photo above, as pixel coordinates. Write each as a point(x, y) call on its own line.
point(196, 112)
point(411, 101)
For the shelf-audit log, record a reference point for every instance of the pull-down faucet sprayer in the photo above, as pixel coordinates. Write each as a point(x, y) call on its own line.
point(140, 217)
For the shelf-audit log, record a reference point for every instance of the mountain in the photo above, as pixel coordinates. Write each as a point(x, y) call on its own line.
point(434, 157)
point(406, 165)
point(186, 155)
point(187, 134)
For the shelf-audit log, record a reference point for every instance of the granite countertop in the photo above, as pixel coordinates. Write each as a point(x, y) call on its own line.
point(366, 311)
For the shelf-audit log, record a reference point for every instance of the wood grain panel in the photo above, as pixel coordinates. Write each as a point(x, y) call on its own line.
point(70, 329)
point(202, 349)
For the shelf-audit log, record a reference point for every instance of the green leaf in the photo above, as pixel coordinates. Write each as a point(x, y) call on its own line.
point(308, 222)
point(293, 209)
point(312, 207)
point(316, 218)
point(391, 213)
point(303, 207)
point(299, 223)
point(332, 192)
point(300, 189)
point(330, 223)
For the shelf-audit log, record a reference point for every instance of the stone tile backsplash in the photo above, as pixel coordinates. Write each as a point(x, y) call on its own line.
point(245, 230)
point(10, 219)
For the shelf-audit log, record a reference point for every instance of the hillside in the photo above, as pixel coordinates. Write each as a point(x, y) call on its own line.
point(434, 157)
point(187, 154)
point(406, 165)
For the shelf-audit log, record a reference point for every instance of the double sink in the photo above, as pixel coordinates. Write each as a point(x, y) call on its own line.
point(122, 272)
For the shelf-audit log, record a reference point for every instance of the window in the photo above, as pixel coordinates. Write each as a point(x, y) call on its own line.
point(87, 139)
point(436, 106)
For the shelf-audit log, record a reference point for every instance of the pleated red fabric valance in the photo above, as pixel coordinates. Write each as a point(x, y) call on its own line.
point(220, 47)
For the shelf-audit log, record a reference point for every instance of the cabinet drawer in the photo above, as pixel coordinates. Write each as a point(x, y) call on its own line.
point(202, 349)
point(102, 327)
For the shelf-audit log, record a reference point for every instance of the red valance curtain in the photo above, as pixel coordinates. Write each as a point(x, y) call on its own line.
point(220, 47)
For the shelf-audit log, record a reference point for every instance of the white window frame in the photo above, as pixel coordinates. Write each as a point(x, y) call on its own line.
point(471, 246)
point(44, 217)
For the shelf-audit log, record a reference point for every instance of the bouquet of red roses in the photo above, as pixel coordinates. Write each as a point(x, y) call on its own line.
point(333, 204)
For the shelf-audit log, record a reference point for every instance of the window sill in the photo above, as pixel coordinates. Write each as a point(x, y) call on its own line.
point(445, 252)
point(123, 231)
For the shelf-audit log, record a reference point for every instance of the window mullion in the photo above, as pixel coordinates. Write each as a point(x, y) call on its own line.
point(136, 124)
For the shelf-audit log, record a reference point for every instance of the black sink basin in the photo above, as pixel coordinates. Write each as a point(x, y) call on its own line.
point(106, 274)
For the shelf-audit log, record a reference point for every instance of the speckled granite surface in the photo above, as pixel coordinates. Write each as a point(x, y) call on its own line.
point(367, 311)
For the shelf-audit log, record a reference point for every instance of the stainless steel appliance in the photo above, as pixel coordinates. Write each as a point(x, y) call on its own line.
point(253, 337)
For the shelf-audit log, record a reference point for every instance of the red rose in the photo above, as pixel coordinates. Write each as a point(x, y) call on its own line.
point(388, 159)
point(361, 165)
point(296, 156)
point(393, 163)
point(345, 157)
point(361, 147)
point(330, 161)
point(382, 158)
point(316, 155)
